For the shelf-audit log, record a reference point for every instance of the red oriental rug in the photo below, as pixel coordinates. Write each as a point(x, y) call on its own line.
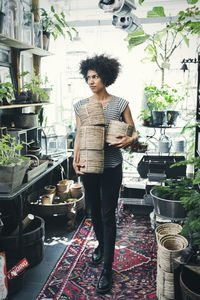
point(134, 269)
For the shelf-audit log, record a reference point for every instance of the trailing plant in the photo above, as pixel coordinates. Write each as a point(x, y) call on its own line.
point(55, 23)
point(161, 45)
point(8, 151)
point(6, 90)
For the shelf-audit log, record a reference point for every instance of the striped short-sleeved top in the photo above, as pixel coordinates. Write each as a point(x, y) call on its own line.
point(113, 111)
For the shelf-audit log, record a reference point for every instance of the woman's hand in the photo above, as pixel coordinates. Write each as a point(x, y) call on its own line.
point(124, 141)
point(77, 167)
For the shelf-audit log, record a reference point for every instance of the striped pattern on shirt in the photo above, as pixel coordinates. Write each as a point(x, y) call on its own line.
point(113, 111)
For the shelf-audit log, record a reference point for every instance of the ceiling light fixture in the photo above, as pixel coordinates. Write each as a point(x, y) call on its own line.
point(117, 7)
point(129, 23)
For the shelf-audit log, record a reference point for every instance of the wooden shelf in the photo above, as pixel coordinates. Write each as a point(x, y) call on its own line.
point(22, 46)
point(24, 105)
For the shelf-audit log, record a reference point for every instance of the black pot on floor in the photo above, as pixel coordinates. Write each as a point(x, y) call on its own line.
point(159, 118)
point(33, 239)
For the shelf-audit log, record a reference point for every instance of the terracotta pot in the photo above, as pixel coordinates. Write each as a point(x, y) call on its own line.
point(76, 190)
point(46, 199)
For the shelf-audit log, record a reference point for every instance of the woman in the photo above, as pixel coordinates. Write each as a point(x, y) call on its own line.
point(102, 190)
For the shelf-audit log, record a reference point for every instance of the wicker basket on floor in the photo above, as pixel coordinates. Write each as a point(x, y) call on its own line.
point(167, 228)
point(116, 128)
point(92, 137)
point(92, 114)
point(169, 247)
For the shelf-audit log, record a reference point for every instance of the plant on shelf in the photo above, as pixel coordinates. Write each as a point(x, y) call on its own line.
point(161, 103)
point(55, 23)
point(9, 151)
point(12, 165)
point(6, 92)
point(145, 117)
point(33, 86)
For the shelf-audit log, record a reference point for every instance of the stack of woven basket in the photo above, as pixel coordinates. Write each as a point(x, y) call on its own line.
point(92, 137)
point(170, 246)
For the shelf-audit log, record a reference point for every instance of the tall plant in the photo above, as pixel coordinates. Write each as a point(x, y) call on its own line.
point(162, 44)
point(55, 23)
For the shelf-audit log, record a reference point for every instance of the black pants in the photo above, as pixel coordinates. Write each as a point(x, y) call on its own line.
point(102, 192)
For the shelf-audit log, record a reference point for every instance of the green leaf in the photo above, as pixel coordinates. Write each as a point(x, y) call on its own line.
point(146, 59)
point(192, 1)
point(157, 11)
point(141, 1)
point(150, 49)
point(59, 29)
point(138, 32)
point(186, 40)
point(137, 41)
point(52, 9)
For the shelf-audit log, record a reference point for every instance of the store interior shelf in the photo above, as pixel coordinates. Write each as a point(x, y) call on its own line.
point(24, 105)
point(22, 46)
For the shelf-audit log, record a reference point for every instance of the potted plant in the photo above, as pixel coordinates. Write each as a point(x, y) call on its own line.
point(54, 24)
point(6, 92)
point(34, 89)
point(12, 165)
point(47, 88)
point(161, 102)
point(145, 117)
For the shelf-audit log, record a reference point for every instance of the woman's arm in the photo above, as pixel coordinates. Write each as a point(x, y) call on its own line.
point(124, 140)
point(76, 163)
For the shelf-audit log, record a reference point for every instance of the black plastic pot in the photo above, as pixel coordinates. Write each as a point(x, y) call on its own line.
point(159, 118)
point(2, 15)
point(46, 39)
point(172, 117)
point(33, 239)
point(189, 283)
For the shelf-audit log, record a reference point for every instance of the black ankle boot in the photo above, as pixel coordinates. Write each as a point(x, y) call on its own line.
point(97, 257)
point(104, 284)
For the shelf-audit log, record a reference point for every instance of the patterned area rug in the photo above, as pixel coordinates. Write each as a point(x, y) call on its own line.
point(134, 269)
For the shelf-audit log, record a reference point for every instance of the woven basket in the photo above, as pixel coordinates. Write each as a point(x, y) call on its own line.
point(115, 128)
point(92, 114)
point(92, 137)
point(167, 228)
point(93, 161)
point(169, 247)
point(165, 284)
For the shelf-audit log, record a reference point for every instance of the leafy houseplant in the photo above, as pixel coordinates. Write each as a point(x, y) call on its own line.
point(6, 91)
point(55, 24)
point(164, 99)
point(12, 165)
point(34, 86)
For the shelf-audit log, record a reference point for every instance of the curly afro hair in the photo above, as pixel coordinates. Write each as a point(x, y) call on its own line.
point(106, 67)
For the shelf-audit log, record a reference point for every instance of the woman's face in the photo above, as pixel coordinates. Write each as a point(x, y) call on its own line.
point(94, 81)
